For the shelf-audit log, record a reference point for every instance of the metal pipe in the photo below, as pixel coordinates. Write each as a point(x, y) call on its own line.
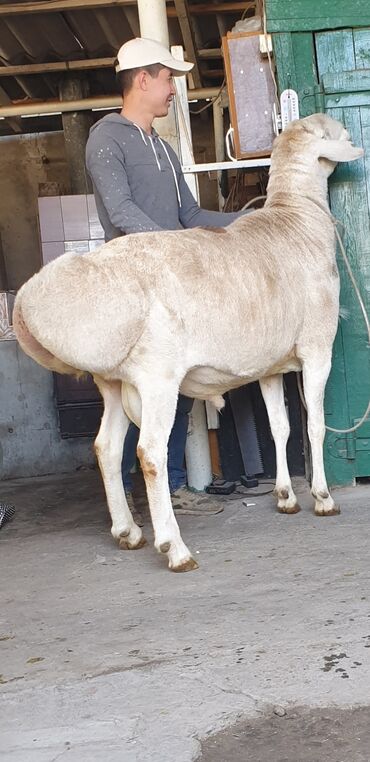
point(153, 20)
point(218, 127)
point(27, 108)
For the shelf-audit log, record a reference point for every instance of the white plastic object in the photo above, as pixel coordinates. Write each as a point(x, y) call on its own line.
point(276, 120)
point(289, 107)
point(265, 44)
point(230, 143)
point(197, 455)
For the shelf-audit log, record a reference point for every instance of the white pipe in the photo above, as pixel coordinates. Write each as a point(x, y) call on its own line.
point(153, 20)
point(218, 127)
point(197, 456)
point(37, 108)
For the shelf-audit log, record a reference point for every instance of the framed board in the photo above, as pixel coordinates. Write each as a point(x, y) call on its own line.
point(251, 94)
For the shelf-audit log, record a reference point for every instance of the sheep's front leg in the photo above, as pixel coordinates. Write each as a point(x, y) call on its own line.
point(108, 447)
point(315, 376)
point(158, 414)
point(273, 394)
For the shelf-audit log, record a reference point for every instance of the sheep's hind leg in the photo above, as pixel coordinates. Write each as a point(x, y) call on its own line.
point(315, 375)
point(158, 414)
point(108, 447)
point(273, 394)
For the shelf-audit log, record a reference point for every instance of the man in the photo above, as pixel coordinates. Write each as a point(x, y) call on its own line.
point(139, 187)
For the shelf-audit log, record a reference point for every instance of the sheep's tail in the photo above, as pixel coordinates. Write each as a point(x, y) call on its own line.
point(32, 347)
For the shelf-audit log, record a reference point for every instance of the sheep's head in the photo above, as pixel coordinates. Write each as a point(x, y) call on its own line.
point(325, 139)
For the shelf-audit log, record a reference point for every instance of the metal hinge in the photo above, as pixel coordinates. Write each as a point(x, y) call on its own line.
point(311, 100)
point(342, 446)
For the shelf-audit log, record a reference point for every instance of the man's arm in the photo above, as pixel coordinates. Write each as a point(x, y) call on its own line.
point(106, 167)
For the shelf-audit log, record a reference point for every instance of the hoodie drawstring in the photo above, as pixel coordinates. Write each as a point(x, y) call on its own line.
point(157, 160)
point(141, 132)
point(173, 170)
point(155, 153)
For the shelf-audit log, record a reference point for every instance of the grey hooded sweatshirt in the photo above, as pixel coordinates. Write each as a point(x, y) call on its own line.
point(138, 183)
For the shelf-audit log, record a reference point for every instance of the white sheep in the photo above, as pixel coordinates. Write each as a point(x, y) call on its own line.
point(201, 311)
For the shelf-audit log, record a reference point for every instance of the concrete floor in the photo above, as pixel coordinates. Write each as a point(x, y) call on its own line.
point(106, 656)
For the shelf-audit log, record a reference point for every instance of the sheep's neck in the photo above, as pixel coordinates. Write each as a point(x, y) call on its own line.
point(289, 189)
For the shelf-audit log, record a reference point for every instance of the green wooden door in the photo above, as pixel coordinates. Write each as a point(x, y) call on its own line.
point(331, 72)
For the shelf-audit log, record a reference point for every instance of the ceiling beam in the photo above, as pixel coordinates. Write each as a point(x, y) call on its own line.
point(54, 6)
point(15, 122)
point(47, 68)
point(81, 65)
point(182, 12)
point(203, 9)
point(32, 108)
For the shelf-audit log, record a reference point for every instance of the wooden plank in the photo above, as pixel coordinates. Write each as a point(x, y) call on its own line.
point(346, 81)
point(349, 196)
point(295, 65)
point(335, 51)
point(57, 6)
point(361, 42)
point(15, 122)
point(46, 68)
point(182, 10)
point(309, 15)
point(80, 65)
point(18, 9)
point(205, 9)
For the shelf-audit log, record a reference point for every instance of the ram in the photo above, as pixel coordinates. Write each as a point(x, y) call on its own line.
point(201, 311)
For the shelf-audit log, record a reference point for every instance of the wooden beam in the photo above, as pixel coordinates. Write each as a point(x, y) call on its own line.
point(182, 11)
point(85, 64)
point(204, 9)
point(55, 6)
point(15, 122)
point(47, 68)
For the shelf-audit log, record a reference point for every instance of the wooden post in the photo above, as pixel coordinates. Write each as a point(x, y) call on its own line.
point(76, 125)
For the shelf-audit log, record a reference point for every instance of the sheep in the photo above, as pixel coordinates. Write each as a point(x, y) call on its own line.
point(201, 311)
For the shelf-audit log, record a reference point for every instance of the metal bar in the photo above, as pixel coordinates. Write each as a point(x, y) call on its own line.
point(32, 108)
point(218, 165)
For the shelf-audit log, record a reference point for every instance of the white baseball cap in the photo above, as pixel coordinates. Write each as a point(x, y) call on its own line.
point(141, 52)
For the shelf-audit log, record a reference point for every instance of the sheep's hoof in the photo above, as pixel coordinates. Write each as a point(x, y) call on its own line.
point(186, 566)
point(334, 511)
point(124, 544)
point(289, 509)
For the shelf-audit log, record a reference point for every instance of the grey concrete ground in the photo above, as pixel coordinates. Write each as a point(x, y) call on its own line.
point(106, 656)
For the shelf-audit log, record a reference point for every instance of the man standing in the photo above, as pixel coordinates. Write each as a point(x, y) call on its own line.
point(139, 187)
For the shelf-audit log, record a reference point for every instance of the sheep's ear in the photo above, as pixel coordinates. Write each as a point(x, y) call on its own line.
point(338, 150)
